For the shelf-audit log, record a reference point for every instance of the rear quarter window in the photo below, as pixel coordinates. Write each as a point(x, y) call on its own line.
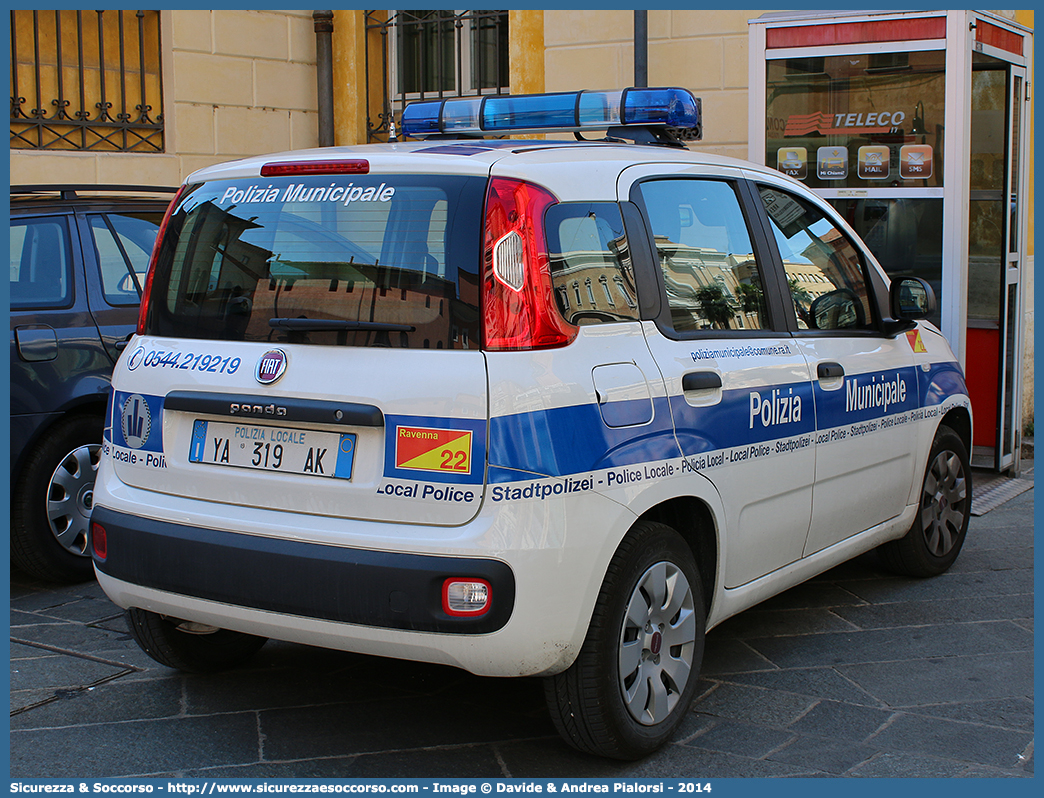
point(590, 262)
point(123, 244)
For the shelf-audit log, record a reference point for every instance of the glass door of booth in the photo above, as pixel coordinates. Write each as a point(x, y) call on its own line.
point(995, 250)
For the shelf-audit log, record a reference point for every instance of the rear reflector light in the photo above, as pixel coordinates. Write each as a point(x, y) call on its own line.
point(466, 596)
point(143, 309)
point(99, 541)
point(509, 261)
point(282, 168)
point(518, 302)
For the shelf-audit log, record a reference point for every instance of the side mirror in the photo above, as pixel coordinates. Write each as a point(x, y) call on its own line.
point(912, 298)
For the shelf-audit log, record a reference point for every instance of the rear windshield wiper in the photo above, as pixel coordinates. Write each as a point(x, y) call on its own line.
point(306, 324)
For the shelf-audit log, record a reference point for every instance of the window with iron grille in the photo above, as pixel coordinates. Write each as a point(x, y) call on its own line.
point(433, 53)
point(86, 80)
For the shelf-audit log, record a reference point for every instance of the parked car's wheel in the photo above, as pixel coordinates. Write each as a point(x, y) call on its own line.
point(52, 501)
point(935, 539)
point(635, 676)
point(189, 646)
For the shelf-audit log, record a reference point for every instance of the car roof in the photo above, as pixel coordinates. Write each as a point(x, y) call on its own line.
point(60, 196)
point(473, 156)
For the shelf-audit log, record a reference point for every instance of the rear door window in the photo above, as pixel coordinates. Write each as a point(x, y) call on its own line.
point(711, 274)
point(375, 261)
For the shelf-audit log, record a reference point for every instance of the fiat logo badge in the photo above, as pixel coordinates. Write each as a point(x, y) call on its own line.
point(270, 366)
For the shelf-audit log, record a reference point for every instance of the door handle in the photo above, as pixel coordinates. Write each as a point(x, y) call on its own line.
point(700, 381)
point(828, 371)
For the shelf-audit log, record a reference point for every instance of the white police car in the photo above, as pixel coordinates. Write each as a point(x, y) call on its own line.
point(524, 407)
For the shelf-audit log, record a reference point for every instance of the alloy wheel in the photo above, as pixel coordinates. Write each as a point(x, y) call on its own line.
point(944, 503)
point(657, 643)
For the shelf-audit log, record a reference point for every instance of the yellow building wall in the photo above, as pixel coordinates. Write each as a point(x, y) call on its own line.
point(704, 51)
point(526, 59)
point(235, 83)
point(349, 76)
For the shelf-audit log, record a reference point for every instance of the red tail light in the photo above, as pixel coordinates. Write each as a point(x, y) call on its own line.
point(143, 310)
point(518, 301)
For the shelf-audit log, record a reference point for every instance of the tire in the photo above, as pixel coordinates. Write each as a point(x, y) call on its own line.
point(52, 501)
point(200, 650)
point(634, 679)
point(935, 539)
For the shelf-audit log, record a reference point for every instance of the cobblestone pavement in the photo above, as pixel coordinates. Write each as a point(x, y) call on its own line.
point(855, 673)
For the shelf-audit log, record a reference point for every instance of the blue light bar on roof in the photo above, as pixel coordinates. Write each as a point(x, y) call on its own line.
point(551, 113)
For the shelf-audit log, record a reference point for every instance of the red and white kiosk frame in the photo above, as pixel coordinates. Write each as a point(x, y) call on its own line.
point(916, 127)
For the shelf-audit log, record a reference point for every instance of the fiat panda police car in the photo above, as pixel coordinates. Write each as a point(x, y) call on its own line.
point(525, 407)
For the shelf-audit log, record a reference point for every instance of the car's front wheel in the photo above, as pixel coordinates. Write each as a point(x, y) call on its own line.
point(635, 676)
point(935, 539)
point(189, 646)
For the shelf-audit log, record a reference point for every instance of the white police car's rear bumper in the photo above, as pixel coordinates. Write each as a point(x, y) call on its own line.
point(354, 595)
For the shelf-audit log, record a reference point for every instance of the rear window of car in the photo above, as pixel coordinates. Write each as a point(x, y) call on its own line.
point(355, 260)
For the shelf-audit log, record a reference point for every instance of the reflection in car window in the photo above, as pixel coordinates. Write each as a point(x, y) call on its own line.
point(40, 263)
point(389, 263)
point(712, 278)
point(824, 268)
point(123, 244)
point(590, 264)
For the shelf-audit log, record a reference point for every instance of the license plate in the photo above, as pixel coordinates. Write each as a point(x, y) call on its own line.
point(295, 451)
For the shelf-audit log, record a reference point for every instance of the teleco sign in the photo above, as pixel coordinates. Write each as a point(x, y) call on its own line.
point(843, 124)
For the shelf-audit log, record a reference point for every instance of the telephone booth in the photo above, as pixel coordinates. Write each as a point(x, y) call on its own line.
point(915, 126)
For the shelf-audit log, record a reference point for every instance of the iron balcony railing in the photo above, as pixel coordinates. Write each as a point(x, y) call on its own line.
point(86, 80)
point(425, 54)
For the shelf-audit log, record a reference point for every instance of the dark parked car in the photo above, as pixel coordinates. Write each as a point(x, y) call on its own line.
point(79, 255)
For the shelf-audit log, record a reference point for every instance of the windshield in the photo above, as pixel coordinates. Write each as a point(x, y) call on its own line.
point(352, 260)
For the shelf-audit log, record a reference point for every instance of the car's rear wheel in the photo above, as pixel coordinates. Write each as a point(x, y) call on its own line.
point(935, 539)
point(189, 646)
point(635, 676)
point(52, 502)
